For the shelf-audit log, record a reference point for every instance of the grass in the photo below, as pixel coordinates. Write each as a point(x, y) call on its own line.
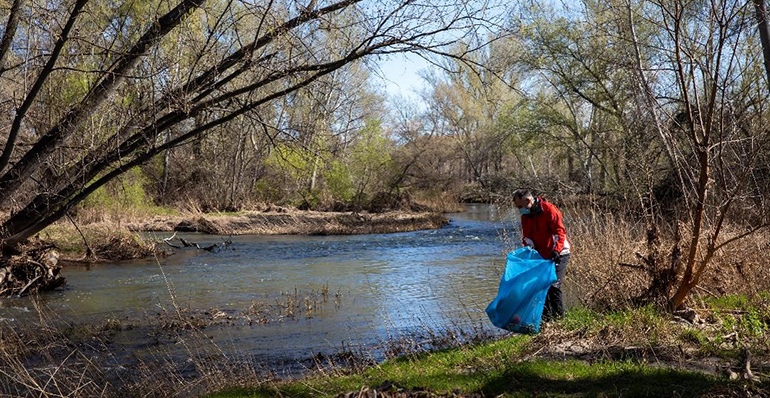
point(585, 318)
point(107, 241)
point(515, 366)
point(522, 366)
point(496, 368)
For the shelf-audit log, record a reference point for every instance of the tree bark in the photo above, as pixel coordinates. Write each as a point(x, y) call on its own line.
point(688, 280)
point(764, 34)
point(10, 32)
point(31, 161)
point(10, 143)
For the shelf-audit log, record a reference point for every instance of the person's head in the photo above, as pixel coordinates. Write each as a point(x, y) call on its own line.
point(523, 200)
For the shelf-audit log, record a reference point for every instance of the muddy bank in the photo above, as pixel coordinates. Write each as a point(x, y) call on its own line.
point(288, 222)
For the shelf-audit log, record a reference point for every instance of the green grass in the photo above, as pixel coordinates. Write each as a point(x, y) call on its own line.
point(731, 301)
point(584, 318)
point(746, 316)
point(503, 368)
point(495, 368)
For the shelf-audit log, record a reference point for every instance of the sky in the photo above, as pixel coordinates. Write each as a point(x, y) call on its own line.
point(399, 75)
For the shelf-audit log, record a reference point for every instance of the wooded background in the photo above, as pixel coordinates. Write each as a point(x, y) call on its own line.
point(656, 106)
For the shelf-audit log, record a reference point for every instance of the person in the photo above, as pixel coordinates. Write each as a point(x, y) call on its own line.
point(543, 229)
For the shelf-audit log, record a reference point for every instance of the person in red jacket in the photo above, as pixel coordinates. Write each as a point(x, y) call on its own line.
point(543, 229)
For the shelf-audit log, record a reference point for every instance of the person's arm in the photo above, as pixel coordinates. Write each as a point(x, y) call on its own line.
point(557, 226)
point(525, 235)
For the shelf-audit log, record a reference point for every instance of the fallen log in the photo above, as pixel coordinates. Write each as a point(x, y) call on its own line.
point(210, 248)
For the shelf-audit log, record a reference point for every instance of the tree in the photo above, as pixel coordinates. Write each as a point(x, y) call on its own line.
point(679, 85)
point(247, 59)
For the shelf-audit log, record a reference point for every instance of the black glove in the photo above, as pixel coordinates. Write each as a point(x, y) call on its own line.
point(556, 257)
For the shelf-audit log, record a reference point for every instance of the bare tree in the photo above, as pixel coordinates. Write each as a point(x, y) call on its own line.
point(764, 34)
point(285, 55)
point(678, 83)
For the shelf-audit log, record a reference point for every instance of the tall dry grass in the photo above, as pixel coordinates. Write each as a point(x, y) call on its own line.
point(51, 357)
point(101, 241)
point(608, 246)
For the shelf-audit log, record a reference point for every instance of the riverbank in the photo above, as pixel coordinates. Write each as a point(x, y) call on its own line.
point(282, 221)
point(198, 342)
point(719, 350)
point(118, 239)
point(716, 351)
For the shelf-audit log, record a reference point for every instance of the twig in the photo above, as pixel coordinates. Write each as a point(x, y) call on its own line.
point(635, 266)
point(170, 237)
point(741, 236)
point(532, 355)
point(89, 252)
point(172, 245)
point(29, 284)
point(187, 243)
point(707, 291)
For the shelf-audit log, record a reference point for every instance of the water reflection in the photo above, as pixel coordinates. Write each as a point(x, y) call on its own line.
point(387, 284)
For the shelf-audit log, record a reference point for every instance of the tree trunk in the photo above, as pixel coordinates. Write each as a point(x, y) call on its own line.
point(688, 280)
point(31, 161)
point(10, 32)
point(764, 34)
point(21, 112)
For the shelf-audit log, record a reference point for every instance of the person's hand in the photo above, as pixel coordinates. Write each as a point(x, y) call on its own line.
point(556, 257)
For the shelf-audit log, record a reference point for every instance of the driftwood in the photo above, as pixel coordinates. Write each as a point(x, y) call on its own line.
point(30, 272)
point(186, 243)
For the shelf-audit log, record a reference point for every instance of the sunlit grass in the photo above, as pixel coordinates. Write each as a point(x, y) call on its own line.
point(511, 367)
point(495, 369)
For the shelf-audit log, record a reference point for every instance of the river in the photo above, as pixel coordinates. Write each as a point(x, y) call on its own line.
point(351, 291)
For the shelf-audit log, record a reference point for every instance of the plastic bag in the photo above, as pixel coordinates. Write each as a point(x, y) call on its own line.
point(518, 306)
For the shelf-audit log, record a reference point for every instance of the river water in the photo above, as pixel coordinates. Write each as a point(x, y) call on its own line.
point(363, 289)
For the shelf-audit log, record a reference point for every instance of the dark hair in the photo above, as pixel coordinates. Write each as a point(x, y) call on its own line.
point(523, 193)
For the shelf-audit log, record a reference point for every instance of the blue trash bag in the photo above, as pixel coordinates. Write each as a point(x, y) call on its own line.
point(518, 306)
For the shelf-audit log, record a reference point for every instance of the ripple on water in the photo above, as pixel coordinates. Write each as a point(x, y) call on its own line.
point(383, 284)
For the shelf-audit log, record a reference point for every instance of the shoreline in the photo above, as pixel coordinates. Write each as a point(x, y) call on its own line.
point(292, 222)
point(648, 352)
point(118, 240)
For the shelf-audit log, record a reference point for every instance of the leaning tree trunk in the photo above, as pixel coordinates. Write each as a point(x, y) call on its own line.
point(10, 32)
point(764, 34)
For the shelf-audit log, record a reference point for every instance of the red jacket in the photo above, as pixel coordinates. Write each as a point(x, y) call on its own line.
point(546, 230)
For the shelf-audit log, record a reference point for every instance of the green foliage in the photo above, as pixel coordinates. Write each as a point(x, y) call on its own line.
point(295, 162)
point(267, 190)
point(339, 181)
point(496, 369)
point(369, 160)
point(753, 323)
point(352, 175)
point(746, 316)
point(125, 195)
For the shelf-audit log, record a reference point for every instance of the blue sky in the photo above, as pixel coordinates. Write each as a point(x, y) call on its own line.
point(399, 74)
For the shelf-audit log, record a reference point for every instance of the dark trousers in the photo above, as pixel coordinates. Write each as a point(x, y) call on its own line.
point(554, 305)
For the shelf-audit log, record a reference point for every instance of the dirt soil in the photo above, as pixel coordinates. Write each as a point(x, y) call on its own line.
point(292, 222)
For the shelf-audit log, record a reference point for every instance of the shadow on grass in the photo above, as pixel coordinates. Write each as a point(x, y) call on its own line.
point(528, 380)
point(551, 379)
